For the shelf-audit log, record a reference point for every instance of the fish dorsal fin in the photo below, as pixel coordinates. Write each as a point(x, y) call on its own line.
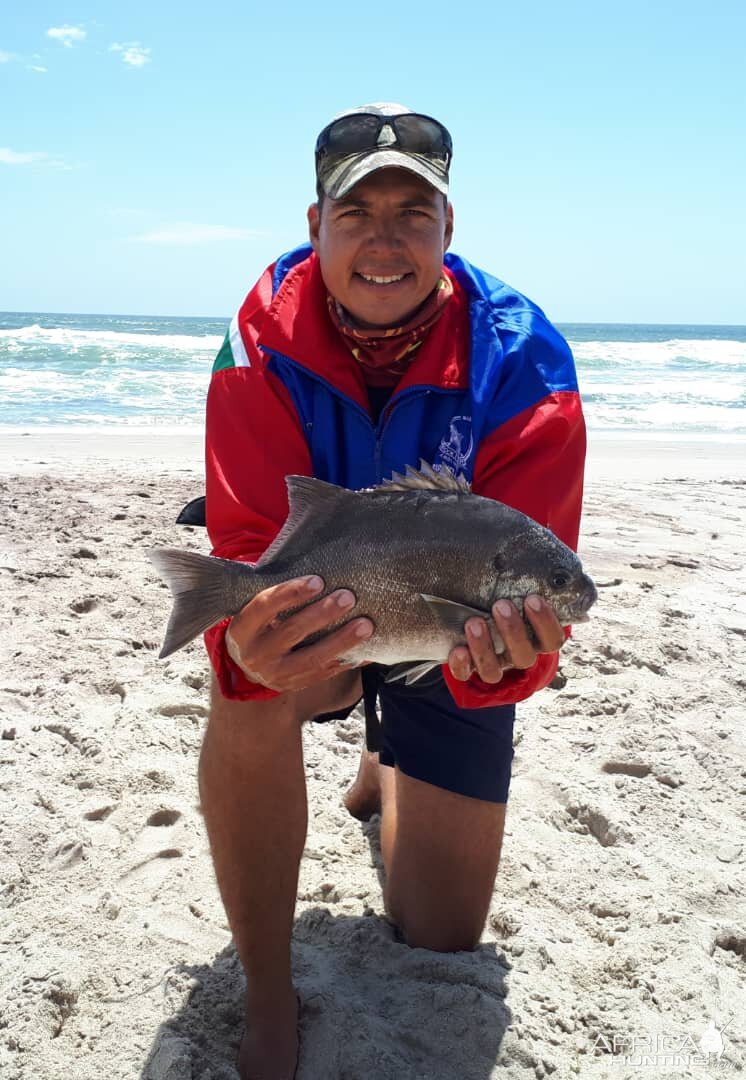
point(427, 479)
point(311, 503)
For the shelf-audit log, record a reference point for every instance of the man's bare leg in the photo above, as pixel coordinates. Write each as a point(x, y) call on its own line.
point(253, 795)
point(440, 851)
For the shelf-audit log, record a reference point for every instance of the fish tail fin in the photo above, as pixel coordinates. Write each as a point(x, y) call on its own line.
point(412, 673)
point(199, 585)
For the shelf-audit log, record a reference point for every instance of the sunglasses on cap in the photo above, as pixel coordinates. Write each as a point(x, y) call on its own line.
point(358, 132)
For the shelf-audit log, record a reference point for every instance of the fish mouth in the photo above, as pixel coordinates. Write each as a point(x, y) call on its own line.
point(584, 602)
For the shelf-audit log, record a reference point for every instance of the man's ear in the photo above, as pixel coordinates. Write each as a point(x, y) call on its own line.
point(448, 231)
point(314, 223)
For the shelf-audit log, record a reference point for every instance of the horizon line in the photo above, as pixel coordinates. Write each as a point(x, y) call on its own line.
point(216, 318)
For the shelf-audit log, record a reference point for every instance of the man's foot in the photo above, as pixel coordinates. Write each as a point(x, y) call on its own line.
point(364, 797)
point(269, 1047)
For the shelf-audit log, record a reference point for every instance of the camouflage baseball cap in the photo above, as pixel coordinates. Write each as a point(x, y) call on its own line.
point(379, 136)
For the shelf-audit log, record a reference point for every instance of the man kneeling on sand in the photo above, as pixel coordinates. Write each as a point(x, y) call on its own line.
point(352, 357)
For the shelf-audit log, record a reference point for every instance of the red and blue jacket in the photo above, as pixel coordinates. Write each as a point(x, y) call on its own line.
point(491, 392)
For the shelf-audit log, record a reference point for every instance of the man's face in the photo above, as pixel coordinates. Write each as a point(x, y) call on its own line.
point(391, 225)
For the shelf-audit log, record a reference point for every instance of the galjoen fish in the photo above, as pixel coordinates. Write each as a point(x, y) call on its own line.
point(422, 554)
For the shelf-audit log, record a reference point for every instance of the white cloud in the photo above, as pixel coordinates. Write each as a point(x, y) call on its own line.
point(186, 233)
point(35, 67)
point(133, 53)
point(14, 157)
point(32, 157)
point(66, 35)
point(6, 57)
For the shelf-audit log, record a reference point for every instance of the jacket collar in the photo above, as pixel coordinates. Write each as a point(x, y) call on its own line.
point(298, 326)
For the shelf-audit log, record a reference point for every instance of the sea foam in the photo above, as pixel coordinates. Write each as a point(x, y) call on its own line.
point(127, 371)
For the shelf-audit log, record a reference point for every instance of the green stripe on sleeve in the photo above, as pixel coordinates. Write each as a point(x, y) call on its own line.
point(224, 359)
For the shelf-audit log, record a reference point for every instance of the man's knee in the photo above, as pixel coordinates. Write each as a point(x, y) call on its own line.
point(442, 852)
point(443, 943)
point(333, 695)
point(446, 937)
point(443, 927)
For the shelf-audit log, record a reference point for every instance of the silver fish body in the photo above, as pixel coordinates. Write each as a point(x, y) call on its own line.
point(421, 553)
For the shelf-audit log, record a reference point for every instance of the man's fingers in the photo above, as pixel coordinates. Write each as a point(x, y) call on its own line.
point(546, 626)
point(315, 617)
point(459, 661)
point(519, 649)
point(270, 602)
point(263, 642)
point(324, 655)
point(293, 670)
point(488, 664)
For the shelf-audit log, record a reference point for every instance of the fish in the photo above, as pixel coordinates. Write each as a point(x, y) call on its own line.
point(421, 552)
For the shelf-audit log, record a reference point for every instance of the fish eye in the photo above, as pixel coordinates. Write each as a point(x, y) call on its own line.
point(498, 562)
point(559, 579)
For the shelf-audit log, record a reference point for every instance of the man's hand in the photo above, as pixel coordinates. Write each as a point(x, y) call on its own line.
point(479, 654)
point(262, 644)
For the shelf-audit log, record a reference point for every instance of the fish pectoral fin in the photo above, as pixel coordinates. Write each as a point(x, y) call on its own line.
point(410, 673)
point(452, 615)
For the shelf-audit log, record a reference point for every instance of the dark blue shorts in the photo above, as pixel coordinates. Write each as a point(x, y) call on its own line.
point(424, 732)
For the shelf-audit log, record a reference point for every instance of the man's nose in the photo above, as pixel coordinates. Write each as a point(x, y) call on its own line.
point(385, 232)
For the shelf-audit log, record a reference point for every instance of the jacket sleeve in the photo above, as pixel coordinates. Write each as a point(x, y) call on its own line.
point(534, 462)
point(254, 439)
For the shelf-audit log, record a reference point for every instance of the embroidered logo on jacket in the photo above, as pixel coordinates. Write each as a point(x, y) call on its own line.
point(452, 451)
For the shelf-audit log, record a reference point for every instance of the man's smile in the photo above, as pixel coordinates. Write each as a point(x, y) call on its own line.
point(381, 279)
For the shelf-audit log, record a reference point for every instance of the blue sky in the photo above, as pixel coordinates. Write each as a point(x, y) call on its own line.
point(155, 157)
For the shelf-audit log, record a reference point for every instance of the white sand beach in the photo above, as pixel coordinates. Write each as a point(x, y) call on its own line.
point(618, 921)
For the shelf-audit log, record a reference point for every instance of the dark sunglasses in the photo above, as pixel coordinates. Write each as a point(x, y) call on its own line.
point(415, 134)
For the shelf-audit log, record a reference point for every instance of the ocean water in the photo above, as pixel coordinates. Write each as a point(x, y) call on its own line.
point(126, 370)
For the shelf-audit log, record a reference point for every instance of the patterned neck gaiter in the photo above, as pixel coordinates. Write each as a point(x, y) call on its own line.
point(384, 355)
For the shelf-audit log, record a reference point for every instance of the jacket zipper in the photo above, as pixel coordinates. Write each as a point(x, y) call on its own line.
point(386, 414)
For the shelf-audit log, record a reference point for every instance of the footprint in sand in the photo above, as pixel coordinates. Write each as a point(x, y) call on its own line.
point(83, 553)
point(163, 818)
point(672, 651)
point(68, 854)
point(152, 870)
point(190, 709)
point(85, 605)
point(639, 769)
point(85, 746)
point(157, 846)
point(627, 768)
point(111, 686)
point(99, 813)
point(593, 821)
point(732, 941)
point(59, 1003)
point(197, 681)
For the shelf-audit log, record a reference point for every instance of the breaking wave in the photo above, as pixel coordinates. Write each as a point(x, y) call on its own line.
point(131, 370)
